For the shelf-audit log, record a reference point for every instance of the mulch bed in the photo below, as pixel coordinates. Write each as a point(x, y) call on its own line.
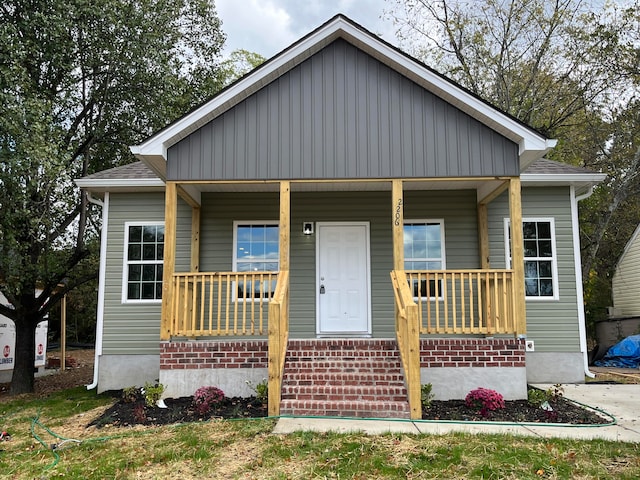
point(515, 411)
point(181, 410)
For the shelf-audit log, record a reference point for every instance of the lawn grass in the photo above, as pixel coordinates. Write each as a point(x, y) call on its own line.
point(246, 449)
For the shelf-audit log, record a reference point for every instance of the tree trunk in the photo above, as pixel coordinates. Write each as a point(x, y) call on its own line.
point(25, 354)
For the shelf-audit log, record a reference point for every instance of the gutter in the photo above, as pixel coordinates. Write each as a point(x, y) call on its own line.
point(101, 283)
point(582, 325)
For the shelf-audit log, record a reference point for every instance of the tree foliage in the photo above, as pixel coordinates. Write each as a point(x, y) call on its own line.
point(570, 69)
point(80, 81)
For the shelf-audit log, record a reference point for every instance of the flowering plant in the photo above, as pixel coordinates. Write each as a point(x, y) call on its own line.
point(484, 400)
point(206, 398)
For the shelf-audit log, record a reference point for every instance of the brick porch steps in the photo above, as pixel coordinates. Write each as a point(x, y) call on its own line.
point(345, 378)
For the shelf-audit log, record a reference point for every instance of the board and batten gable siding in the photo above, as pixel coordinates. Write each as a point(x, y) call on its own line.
point(552, 324)
point(626, 279)
point(134, 328)
point(341, 114)
point(457, 208)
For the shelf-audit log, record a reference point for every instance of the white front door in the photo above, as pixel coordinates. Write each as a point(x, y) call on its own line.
point(342, 281)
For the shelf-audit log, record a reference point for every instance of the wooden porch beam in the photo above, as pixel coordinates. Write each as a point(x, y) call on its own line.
point(397, 219)
point(190, 199)
point(493, 194)
point(345, 180)
point(517, 255)
point(170, 225)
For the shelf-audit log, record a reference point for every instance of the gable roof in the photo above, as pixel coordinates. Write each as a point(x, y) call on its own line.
point(532, 145)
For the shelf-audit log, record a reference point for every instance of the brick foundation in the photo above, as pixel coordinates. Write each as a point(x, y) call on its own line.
point(471, 352)
point(346, 376)
point(213, 354)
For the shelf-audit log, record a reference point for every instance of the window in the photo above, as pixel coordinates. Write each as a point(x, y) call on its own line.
point(540, 267)
point(256, 249)
point(144, 253)
point(424, 250)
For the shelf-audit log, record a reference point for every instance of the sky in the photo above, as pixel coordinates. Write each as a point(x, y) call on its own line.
point(269, 26)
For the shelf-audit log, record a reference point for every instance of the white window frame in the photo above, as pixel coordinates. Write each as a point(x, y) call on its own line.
point(553, 258)
point(236, 223)
point(127, 262)
point(442, 259)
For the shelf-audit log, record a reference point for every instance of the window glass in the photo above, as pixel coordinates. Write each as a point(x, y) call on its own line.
point(539, 258)
point(424, 250)
point(257, 249)
point(145, 253)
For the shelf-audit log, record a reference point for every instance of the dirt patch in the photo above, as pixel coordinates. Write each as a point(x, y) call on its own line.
point(79, 372)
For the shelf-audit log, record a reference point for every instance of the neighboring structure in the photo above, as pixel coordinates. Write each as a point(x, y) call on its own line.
point(626, 280)
point(8, 343)
point(338, 221)
point(624, 316)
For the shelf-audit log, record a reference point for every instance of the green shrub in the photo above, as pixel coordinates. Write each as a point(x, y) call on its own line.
point(152, 393)
point(130, 394)
point(261, 390)
point(426, 395)
point(537, 397)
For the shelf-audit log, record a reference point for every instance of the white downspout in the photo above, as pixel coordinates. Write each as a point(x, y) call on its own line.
point(582, 324)
point(101, 283)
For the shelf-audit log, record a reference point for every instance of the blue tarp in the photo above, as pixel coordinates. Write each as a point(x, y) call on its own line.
point(624, 354)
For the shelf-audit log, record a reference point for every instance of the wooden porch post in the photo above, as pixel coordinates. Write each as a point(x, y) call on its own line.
point(170, 212)
point(195, 239)
point(397, 215)
point(285, 214)
point(517, 255)
point(411, 341)
point(483, 235)
point(278, 330)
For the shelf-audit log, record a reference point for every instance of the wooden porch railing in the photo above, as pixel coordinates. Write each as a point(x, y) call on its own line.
point(408, 336)
point(236, 304)
point(464, 301)
point(221, 303)
point(278, 338)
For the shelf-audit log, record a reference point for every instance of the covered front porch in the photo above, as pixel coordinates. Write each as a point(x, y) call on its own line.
point(466, 303)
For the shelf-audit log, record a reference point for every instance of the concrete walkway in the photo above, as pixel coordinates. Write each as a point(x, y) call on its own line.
point(620, 401)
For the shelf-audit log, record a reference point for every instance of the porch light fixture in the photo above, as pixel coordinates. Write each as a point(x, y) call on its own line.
point(307, 228)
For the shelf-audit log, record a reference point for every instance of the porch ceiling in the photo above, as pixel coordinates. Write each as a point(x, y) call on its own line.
point(348, 185)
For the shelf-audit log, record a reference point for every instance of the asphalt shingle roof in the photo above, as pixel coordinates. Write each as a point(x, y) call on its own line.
point(136, 170)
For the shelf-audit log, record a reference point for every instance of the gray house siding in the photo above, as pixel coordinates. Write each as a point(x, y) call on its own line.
point(552, 324)
point(134, 328)
point(457, 208)
point(341, 114)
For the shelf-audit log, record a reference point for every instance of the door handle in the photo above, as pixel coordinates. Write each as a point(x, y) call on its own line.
point(321, 289)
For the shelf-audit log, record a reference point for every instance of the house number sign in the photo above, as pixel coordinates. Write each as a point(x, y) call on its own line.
point(398, 213)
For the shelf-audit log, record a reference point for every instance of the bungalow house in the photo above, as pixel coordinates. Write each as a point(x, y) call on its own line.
point(338, 222)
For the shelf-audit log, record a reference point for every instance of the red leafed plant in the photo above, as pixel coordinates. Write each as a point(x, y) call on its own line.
point(206, 398)
point(484, 400)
